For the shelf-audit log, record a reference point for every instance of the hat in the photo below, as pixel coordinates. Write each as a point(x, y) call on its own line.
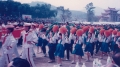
point(73, 30)
point(55, 28)
point(79, 32)
point(9, 26)
point(27, 24)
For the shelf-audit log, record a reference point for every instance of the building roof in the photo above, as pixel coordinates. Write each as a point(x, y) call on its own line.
point(105, 14)
point(106, 10)
point(113, 9)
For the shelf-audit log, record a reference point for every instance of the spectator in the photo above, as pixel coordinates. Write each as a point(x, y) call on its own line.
point(18, 62)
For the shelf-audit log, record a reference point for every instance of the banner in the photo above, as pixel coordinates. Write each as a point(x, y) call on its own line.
point(26, 16)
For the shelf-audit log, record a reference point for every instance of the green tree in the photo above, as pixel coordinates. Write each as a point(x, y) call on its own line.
point(65, 13)
point(16, 9)
point(90, 12)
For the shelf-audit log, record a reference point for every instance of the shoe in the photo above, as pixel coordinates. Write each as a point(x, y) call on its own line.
point(34, 55)
point(67, 59)
point(95, 54)
point(53, 60)
point(73, 62)
point(50, 61)
point(59, 64)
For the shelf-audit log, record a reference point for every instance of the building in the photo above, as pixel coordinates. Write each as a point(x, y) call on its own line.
point(110, 15)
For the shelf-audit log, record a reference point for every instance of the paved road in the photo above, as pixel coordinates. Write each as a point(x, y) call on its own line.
point(41, 61)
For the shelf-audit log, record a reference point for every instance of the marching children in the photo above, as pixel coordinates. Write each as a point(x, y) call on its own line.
point(39, 45)
point(78, 49)
point(44, 41)
point(89, 47)
point(15, 48)
point(113, 44)
point(105, 44)
point(29, 40)
point(67, 46)
point(72, 39)
point(118, 45)
point(100, 40)
point(35, 31)
point(52, 47)
point(59, 53)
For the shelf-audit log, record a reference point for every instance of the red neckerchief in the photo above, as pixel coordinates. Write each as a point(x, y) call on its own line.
point(26, 36)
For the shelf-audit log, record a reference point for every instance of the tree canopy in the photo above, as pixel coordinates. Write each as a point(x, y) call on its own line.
point(90, 12)
point(65, 13)
point(16, 9)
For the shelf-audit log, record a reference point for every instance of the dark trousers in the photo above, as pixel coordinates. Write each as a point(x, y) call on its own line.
point(0, 44)
point(45, 42)
point(93, 46)
point(68, 49)
point(98, 46)
point(20, 41)
point(71, 45)
point(52, 48)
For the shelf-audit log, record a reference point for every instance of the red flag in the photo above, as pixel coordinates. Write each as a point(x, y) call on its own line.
point(17, 33)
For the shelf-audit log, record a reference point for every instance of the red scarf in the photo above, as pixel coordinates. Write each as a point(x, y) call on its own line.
point(26, 36)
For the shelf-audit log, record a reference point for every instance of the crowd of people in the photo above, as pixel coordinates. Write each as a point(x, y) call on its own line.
point(78, 39)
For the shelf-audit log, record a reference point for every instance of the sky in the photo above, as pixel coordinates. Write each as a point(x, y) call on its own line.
point(79, 4)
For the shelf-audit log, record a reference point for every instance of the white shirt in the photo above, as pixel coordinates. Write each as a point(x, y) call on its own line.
point(117, 42)
point(44, 36)
point(90, 40)
point(40, 34)
point(30, 37)
point(52, 40)
point(101, 38)
point(23, 32)
point(93, 37)
point(67, 40)
point(9, 42)
point(80, 40)
point(84, 36)
point(72, 37)
point(56, 36)
point(107, 39)
point(35, 31)
point(63, 40)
